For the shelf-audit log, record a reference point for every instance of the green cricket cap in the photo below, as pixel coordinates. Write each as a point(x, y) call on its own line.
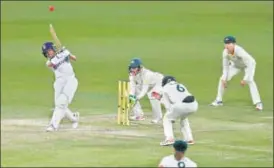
point(229, 39)
point(180, 146)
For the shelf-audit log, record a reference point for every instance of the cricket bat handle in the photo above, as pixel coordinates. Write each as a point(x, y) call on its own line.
point(55, 38)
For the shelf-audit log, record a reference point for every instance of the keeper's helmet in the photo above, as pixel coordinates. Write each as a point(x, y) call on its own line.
point(135, 63)
point(46, 47)
point(167, 79)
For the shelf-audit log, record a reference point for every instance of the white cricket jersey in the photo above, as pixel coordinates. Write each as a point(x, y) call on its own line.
point(170, 161)
point(62, 67)
point(240, 59)
point(175, 92)
point(146, 79)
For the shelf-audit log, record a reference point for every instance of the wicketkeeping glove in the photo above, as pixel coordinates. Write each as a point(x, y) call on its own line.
point(132, 99)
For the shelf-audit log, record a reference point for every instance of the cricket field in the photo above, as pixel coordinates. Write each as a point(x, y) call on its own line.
point(183, 39)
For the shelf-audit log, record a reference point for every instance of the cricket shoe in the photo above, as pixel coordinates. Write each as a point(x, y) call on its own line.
point(137, 118)
point(190, 142)
point(167, 142)
point(259, 106)
point(155, 121)
point(216, 103)
point(75, 123)
point(51, 129)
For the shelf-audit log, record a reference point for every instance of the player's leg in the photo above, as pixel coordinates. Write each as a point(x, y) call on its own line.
point(69, 91)
point(232, 71)
point(254, 90)
point(58, 113)
point(58, 87)
point(186, 131)
point(255, 95)
point(168, 119)
point(138, 114)
point(168, 128)
point(156, 106)
point(156, 110)
point(186, 109)
point(73, 117)
point(137, 111)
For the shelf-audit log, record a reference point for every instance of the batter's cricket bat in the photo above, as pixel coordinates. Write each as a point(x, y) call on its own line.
point(55, 38)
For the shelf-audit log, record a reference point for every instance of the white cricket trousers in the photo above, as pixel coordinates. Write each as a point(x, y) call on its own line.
point(64, 90)
point(232, 71)
point(182, 111)
point(155, 104)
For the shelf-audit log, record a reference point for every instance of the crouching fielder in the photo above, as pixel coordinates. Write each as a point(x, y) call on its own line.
point(235, 59)
point(179, 103)
point(178, 159)
point(143, 81)
point(65, 84)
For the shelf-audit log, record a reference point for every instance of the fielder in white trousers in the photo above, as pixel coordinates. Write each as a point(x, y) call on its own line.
point(179, 104)
point(236, 59)
point(182, 111)
point(143, 82)
point(155, 104)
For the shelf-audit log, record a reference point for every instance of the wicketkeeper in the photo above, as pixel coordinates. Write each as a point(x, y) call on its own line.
point(143, 82)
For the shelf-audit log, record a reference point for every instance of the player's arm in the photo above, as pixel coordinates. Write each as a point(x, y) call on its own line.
point(54, 61)
point(145, 86)
point(59, 57)
point(49, 64)
point(167, 90)
point(143, 92)
point(132, 85)
point(166, 101)
point(72, 57)
point(225, 65)
point(132, 90)
point(66, 52)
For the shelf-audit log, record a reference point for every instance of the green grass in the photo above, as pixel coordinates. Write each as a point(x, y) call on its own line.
point(178, 38)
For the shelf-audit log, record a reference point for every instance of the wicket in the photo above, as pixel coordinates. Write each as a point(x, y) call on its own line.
point(123, 103)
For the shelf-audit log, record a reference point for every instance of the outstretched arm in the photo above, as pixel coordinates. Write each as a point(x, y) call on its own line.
point(144, 90)
point(132, 85)
point(225, 66)
point(166, 102)
point(72, 57)
point(49, 64)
